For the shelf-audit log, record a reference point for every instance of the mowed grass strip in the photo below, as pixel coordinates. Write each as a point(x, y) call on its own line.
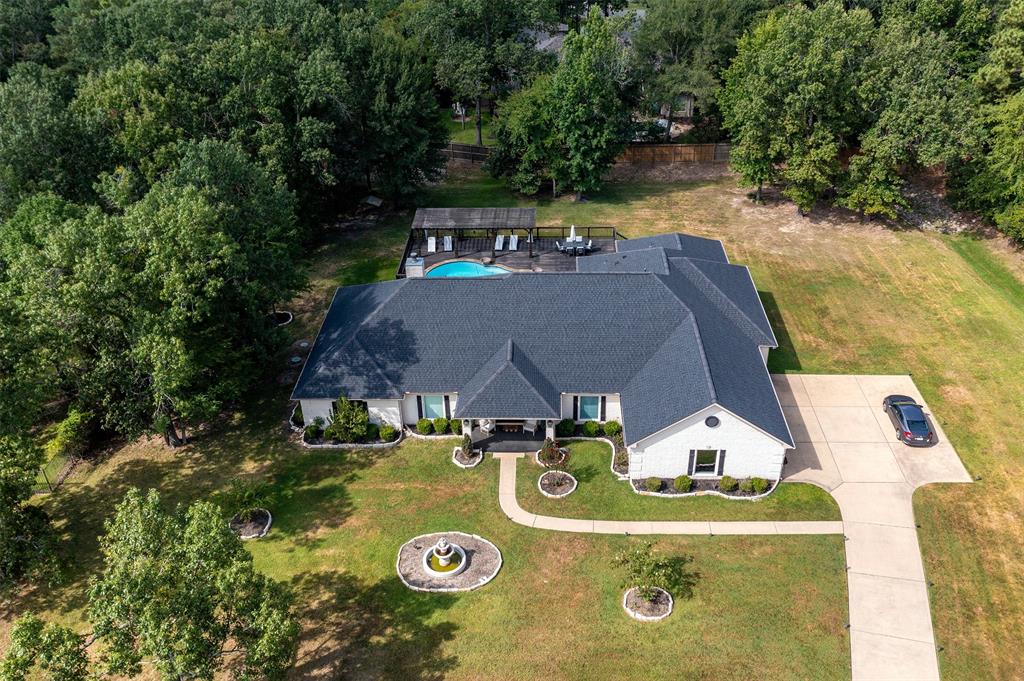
point(600, 496)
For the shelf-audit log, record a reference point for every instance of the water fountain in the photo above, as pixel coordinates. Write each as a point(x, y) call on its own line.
point(444, 559)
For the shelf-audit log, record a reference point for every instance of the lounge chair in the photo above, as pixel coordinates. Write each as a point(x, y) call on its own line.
point(590, 245)
point(447, 243)
point(513, 242)
point(431, 244)
point(561, 248)
point(499, 242)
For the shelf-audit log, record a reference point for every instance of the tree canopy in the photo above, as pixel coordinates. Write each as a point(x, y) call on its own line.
point(177, 588)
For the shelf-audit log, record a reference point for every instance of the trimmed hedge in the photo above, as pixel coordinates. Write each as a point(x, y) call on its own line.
point(652, 484)
point(424, 426)
point(612, 428)
point(565, 428)
point(760, 485)
point(456, 426)
point(440, 425)
point(591, 428)
point(727, 483)
point(746, 485)
point(388, 433)
point(683, 483)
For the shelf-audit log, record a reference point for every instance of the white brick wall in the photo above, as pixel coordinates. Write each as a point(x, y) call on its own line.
point(749, 452)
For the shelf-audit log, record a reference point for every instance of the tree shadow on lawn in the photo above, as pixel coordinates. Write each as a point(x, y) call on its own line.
point(379, 631)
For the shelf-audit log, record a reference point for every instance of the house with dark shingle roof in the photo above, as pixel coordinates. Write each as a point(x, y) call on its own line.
point(664, 335)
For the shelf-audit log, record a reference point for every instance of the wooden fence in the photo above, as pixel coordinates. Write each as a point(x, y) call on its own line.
point(466, 152)
point(635, 154)
point(667, 154)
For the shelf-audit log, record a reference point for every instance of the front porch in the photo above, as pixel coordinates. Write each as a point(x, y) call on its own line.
point(508, 436)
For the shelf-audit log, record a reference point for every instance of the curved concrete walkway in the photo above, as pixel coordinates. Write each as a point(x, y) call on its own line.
point(510, 505)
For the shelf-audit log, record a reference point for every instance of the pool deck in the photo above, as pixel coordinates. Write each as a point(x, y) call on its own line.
point(546, 256)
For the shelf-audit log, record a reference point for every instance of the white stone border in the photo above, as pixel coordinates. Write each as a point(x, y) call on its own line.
point(411, 432)
point(703, 493)
point(450, 589)
point(291, 419)
point(464, 466)
point(572, 477)
point(536, 457)
point(270, 521)
point(647, 618)
point(291, 317)
point(459, 569)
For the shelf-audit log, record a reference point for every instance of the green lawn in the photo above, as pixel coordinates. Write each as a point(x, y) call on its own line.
point(843, 297)
point(466, 134)
point(601, 496)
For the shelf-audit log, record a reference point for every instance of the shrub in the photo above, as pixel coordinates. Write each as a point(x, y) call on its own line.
point(760, 485)
point(727, 483)
point(388, 432)
point(612, 428)
point(746, 486)
point(424, 426)
point(297, 415)
point(315, 429)
point(440, 425)
point(351, 420)
point(331, 433)
point(456, 425)
point(652, 484)
point(591, 428)
point(372, 432)
point(549, 452)
point(73, 435)
point(682, 483)
point(248, 495)
point(621, 459)
point(467, 445)
point(565, 428)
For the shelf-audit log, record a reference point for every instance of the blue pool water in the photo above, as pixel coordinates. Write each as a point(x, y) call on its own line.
point(466, 268)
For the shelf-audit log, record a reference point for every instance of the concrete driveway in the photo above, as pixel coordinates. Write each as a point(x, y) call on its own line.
point(846, 444)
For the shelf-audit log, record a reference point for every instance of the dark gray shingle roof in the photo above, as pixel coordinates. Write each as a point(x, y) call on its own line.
point(670, 344)
point(689, 246)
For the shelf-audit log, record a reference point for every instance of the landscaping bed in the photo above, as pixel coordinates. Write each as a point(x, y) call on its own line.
point(556, 484)
point(474, 458)
point(645, 610)
point(701, 486)
point(256, 525)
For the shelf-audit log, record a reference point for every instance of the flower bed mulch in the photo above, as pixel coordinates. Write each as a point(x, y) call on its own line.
point(256, 526)
point(699, 485)
point(557, 483)
point(655, 609)
point(321, 441)
point(471, 460)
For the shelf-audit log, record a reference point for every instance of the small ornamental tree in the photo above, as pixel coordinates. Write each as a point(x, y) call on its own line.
point(648, 572)
point(467, 446)
point(550, 453)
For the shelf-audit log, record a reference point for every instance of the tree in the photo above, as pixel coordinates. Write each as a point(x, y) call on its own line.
point(351, 420)
point(482, 47)
point(647, 572)
point(590, 111)
point(1003, 68)
point(527, 152)
point(790, 98)
point(921, 109)
point(24, 27)
point(683, 44)
point(177, 588)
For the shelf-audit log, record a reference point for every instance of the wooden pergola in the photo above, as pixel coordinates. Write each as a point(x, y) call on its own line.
point(458, 222)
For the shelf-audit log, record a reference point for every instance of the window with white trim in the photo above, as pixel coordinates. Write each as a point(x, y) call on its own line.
point(590, 408)
point(433, 406)
point(706, 462)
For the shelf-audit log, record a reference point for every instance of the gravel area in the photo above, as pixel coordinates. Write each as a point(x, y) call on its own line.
point(483, 560)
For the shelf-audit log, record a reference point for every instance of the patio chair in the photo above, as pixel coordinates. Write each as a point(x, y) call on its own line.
point(431, 244)
point(486, 426)
point(499, 242)
point(590, 245)
point(530, 427)
point(447, 243)
point(513, 242)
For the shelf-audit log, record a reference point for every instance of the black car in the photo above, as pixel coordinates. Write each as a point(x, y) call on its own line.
point(910, 421)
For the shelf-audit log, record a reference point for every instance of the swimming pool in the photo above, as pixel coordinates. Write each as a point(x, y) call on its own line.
point(465, 268)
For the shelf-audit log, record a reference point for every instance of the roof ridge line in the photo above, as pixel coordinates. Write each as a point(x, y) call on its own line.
point(721, 293)
point(504, 365)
